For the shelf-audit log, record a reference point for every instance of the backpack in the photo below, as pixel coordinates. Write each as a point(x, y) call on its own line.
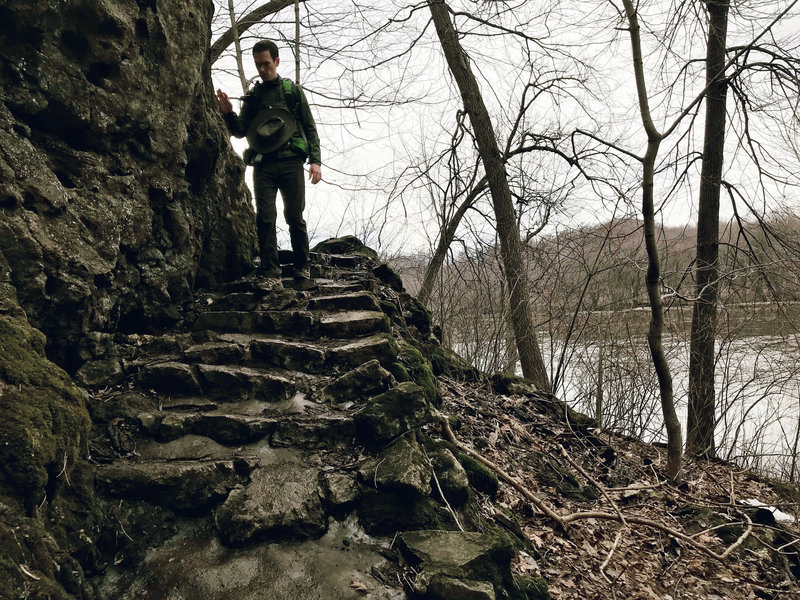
point(291, 95)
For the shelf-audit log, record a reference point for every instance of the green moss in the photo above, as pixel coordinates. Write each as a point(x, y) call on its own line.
point(416, 314)
point(26, 541)
point(695, 518)
point(419, 368)
point(534, 588)
point(481, 478)
point(550, 473)
point(495, 567)
point(385, 513)
point(389, 308)
point(43, 419)
point(399, 372)
point(446, 362)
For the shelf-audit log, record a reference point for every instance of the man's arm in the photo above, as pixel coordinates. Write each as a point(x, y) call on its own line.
point(312, 137)
point(236, 125)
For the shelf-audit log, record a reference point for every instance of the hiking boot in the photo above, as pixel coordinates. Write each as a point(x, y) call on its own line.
point(269, 284)
point(303, 272)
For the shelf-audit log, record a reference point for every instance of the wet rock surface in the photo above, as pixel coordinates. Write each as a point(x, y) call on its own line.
point(277, 428)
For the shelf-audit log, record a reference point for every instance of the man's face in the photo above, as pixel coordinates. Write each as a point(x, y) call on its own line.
point(266, 65)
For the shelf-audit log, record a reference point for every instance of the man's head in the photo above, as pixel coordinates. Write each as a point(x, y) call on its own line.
point(265, 55)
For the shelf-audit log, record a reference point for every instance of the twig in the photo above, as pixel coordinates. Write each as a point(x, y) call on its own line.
point(603, 491)
point(441, 493)
point(25, 570)
point(563, 521)
point(500, 473)
point(64, 470)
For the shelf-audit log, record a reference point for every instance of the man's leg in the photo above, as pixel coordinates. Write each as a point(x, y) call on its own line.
point(266, 190)
point(293, 192)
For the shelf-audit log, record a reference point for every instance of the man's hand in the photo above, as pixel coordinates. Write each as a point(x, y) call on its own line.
point(225, 106)
point(314, 173)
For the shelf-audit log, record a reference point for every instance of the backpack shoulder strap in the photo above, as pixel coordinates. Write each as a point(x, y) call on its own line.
point(291, 93)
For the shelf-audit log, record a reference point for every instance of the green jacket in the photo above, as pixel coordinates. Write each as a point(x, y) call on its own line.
point(266, 94)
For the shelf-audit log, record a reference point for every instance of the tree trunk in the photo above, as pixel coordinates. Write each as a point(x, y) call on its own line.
point(533, 366)
point(238, 47)
point(653, 278)
point(701, 417)
point(243, 24)
point(598, 396)
point(446, 238)
point(297, 40)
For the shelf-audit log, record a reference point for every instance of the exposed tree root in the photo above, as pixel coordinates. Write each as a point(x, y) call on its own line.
point(564, 520)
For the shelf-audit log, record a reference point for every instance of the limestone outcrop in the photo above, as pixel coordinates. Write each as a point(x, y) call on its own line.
point(119, 191)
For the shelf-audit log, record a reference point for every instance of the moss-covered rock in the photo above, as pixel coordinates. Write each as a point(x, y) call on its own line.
point(387, 275)
point(385, 513)
point(367, 380)
point(446, 362)
point(348, 244)
point(401, 468)
point(550, 473)
point(416, 314)
point(535, 588)
point(506, 383)
point(420, 371)
point(465, 556)
point(452, 477)
point(386, 416)
point(52, 573)
point(481, 478)
point(43, 419)
point(398, 371)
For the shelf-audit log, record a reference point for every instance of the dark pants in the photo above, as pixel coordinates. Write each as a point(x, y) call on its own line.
point(288, 177)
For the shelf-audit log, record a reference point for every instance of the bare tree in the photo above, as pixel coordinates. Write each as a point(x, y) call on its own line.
point(238, 47)
point(653, 280)
point(252, 18)
point(701, 417)
point(529, 353)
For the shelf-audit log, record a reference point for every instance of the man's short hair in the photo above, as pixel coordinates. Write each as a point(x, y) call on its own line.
point(268, 45)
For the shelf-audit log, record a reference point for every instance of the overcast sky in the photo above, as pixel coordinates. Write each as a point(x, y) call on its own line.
point(369, 152)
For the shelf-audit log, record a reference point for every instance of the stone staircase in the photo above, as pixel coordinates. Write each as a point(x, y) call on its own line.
point(269, 446)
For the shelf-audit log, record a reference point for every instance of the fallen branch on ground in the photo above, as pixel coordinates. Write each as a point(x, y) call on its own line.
point(563, 521)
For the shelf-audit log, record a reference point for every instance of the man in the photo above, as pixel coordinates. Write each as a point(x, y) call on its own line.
point(281, 133)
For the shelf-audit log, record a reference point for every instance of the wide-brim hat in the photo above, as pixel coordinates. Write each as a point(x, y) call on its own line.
point(271, 129)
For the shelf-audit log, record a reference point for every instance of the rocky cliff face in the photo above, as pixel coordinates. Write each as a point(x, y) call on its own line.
point(119, 192)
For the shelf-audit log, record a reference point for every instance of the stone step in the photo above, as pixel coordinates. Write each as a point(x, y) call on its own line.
point(343, 302)
point(353, 324)
point(223, 428)
point(326, 428)
point(163, 373)
point(218, 352)
point(305, 357)
point(328, 287)
point(282, 501)
point(186, 487)
point(284, 354)
point(314, 432)
point(349, 356)
point(222, 383)
point(170, 378)
point(296, 323)
point(252, 299)
point(342, 261)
